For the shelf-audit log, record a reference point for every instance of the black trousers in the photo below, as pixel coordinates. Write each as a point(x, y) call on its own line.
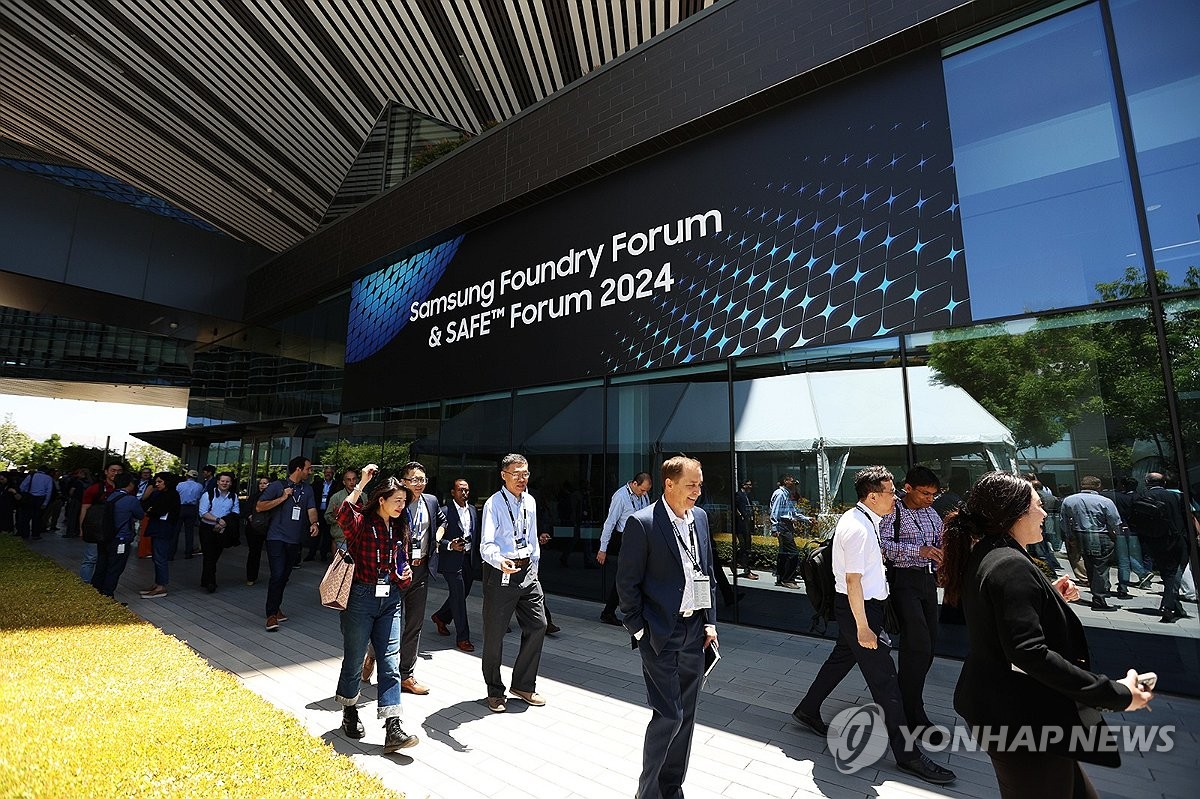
point(455, 607)
point(111, 558)
point(523, 596)
point(914, 598)
point(254, 550)
point(876, 665)
point(414, 616)
point(673, 678)
point(1036, 775)
point(210, 549)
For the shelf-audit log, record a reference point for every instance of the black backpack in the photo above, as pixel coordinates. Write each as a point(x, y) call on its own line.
point(99, 524)
point(817, 571)
point(1150, 517)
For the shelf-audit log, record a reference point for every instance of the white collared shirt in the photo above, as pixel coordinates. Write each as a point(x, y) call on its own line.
point(856, 550)
point(624, 504)
point(683, 530)
point(498, 540)
point(464, 524)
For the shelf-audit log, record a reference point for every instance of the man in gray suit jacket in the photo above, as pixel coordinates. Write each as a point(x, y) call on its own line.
point(665, 582)
point(426, 526)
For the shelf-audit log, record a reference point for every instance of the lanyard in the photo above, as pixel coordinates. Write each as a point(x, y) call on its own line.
point(297, 493)
point(524, 516)
point(389, 551)
point(916, 517)
point(867, 516)
point(637, 502)
point(691, 550)
point(412, 523)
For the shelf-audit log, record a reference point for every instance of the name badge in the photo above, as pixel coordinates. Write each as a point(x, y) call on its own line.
point(701, 591)
point(417, 553)
point(505, 579)
point(383, 587)
point(295, 513)
point(523, 548)
point(120, 549)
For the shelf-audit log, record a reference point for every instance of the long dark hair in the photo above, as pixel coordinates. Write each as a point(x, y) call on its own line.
point(386, 488)
point(996, 502)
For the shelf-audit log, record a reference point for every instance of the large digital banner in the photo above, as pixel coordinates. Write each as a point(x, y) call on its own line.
point(832, 219)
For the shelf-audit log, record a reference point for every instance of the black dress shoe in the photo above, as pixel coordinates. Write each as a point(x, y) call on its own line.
point(925, 769)
point(1102, 606)
point(1168, 618)
point(1124, 595)
point(814, 723)
point(610, 618)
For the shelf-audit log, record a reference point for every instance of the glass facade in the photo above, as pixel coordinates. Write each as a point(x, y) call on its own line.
point(1074, 364)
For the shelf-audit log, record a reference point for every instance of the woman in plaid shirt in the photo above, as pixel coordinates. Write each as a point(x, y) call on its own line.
point(377, 539)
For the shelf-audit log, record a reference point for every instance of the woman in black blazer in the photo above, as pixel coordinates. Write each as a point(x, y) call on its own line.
point(1027, 668)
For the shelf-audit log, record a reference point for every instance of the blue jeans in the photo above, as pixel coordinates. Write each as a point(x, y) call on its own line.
point(87, 567)
point(1129, 559)
point(282, 557)
point(377, 620)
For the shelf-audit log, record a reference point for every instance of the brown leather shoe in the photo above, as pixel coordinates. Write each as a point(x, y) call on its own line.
point(279, 614)
point(272, 623)
point(496, 704)
point(532, 697)
point(442, 629)
point(411, 686)
point(466, 646)
point(552, 628)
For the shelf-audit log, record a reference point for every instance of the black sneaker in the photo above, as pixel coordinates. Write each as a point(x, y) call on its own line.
point(397, 738)
point(351, 725)
point(814, 723)
point(610, 618)
point(925, 769)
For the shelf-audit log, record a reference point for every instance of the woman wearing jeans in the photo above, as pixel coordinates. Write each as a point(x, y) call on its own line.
point(162, 509)
point(377, 539)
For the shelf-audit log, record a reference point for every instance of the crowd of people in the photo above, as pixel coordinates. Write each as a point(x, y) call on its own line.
point(995, 553)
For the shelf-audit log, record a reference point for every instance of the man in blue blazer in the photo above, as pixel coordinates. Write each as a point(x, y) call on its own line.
point(458, 557)
point(666, 585)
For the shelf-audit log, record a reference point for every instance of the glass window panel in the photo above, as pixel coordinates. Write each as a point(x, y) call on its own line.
point(804, 423)
point(475, 434)
point(1062, 398)
point(561, 431)
point(1047, 211)
point(1160, 65)
point(676, 411)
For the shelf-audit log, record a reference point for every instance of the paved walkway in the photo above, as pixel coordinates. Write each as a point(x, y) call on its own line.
point(587, 741)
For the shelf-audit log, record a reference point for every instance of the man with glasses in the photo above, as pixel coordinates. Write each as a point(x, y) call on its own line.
point(912, 549)
point(861, 589)
point(293, 520)
point(426, 526)
point(510, 549)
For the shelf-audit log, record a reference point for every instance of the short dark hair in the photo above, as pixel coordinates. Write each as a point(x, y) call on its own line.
point(871, 479)
point(123, 479)
point(921, 476)
point(784, 477)
point(295, 463)
point(411, 467)
point(672, 468)
point(641, 477)
point(208, 467)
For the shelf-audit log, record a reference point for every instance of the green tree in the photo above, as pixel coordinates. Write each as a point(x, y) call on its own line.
point(15, 445)
point(145, 456)
point(49, 452)
point(389, 455)
point(79, 456)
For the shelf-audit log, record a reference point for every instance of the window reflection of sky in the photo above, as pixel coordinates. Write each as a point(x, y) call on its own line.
point(1160, 65)
point(1046, 206)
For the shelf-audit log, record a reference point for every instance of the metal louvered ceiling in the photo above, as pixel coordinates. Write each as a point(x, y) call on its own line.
point(249, 113)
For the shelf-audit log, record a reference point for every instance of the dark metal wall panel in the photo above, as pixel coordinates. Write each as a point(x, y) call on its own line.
point(737, 59)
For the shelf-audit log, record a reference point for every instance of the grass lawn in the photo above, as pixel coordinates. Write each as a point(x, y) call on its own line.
point(95, 702)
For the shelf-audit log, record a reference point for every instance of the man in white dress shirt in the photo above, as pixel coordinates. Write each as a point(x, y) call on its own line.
point(626, 501)
point(510, 550)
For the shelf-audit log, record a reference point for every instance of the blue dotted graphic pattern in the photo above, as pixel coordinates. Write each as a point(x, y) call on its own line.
point(379, 302)
point(850, 246)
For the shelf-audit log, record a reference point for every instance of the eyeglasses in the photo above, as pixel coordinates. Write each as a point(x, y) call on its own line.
point(518, 475)
point(417, 480)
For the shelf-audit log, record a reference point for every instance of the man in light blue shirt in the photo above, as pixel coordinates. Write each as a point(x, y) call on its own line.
point(510, 549)
point(189, 512)
point(1094, 522)
point(783, 523)
point(626, 501)
point(36, 491)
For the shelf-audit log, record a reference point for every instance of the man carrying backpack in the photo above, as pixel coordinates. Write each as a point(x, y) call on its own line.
point(858, 606)
point(1160, 522)
point(120, 529)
